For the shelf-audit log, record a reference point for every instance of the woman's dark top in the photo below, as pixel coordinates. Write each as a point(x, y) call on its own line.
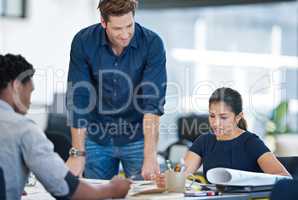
point(239, 153)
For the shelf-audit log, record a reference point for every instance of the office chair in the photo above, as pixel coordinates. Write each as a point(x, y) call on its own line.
point(61, 143)
point(59, 134)
point(291, 164)
point(192, 126)
point(57, 123)
point(59, 103)
point(189, 128)
point(2, 185)
point(285, 190)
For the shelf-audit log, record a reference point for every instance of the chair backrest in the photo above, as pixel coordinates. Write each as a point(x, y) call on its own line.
point(176, 152)
point(59, 133)
point(2, 185)
point(291, 164)
point(57, 123)
point(285, 190)
point(189, 128)
point(192, 126)
point(61, 143)
point(59, 103)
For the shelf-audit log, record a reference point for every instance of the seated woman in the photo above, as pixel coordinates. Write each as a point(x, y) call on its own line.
point(229, 144)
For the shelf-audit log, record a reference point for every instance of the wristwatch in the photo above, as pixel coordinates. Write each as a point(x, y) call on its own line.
point(74, 152)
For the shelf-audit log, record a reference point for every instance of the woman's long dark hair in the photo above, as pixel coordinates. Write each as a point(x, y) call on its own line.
point(231, 98)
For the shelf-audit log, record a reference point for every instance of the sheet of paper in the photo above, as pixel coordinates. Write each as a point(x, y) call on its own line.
point(233, 177)
point(101, 181)
point(95, 181)
point(141, 190)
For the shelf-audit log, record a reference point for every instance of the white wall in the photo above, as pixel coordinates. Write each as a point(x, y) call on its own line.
point(44, 39)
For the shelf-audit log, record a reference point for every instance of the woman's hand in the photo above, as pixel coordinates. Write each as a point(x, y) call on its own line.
point(160, 180)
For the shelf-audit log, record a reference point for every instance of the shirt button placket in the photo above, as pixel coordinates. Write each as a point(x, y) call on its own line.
point(115, 86)
point(114, 79)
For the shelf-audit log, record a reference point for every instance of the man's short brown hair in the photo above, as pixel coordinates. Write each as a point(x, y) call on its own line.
point(116, 7)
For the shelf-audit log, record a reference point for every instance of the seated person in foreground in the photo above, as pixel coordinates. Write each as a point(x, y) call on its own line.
point(285, 190)
point(229, 144)
point(25, 148)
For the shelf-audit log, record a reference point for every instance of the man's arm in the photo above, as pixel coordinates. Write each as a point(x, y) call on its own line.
point(77, 164)
point(78, 136)
point(154, 90)
point(78, 99)
point(151, 136)
point(117, 188)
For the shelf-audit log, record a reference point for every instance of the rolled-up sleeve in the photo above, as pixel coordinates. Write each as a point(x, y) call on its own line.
point(154, 80)
point(80, 91)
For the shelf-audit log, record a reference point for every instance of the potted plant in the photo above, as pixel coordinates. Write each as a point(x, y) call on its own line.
point(279, 131)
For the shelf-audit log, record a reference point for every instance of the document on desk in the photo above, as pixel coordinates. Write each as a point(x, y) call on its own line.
point(101, 181)
point(137, 188)
point(95, 181)
point(233, 177)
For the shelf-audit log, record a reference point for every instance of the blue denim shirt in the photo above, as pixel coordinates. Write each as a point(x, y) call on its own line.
point(109, 94)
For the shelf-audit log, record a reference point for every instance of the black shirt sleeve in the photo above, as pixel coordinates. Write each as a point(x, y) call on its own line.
point(198, 145)
point(73, 183)
point(256, 147)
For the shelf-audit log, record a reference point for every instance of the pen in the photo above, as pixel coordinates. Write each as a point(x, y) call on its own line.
point(169, 165)
point(182, 165)
point(211, 193)
point(200, 194)
point(193, 180)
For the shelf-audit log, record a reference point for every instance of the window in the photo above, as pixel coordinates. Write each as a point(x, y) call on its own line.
point(252, 48)
point(13, 8)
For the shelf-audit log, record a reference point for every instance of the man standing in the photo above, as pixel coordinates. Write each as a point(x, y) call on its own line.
point(116, 94)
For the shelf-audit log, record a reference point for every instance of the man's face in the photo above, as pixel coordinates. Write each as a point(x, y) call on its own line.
point(120, 29)
point(22, 96)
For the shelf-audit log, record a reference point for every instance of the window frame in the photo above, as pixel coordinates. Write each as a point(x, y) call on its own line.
point(5, 13)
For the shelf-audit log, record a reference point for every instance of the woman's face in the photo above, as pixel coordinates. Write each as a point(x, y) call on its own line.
point(221, 118)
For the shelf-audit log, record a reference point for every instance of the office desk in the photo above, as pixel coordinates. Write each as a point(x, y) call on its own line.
point(39, 193)
point(239, 196)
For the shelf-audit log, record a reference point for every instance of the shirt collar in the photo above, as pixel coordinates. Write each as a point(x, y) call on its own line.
point(104, 39)
point(133, 41)
point(5, 106)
